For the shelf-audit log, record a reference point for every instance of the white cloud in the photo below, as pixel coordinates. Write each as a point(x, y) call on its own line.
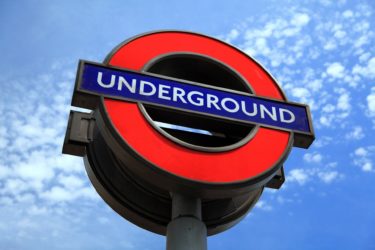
point(283, 200)
point(343, 102)
point(289, 46)
point(313, 157)
point(364, 57)
point(336, 70)
point(32, 166)
point(332, 115)
point(328, 177)
point(363, 40)
point(14, 186)
point(263, 205)
point(326, 120)
point(324, 174)
point(328, 108)
point(300, 19)
point(233, 34)
point(367, 167)
point(347, 14)
point(356, 133)
point(261, 45)
point(339, 34)
point(330, 45)
point(71, 182)
point(315, 85)
point(298, 175)
point(322, 141)
point(363, 158)
point(335, 115)
point(360, 152)
point(367, 70)
point(58, 194)
point(62, 194)
point(267, 30)
point(279, 40)
point(300, 93)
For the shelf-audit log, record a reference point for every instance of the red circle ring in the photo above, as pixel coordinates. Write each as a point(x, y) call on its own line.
point(261, 156)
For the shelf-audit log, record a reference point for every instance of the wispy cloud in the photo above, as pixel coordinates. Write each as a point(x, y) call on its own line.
point(326, 61)
point(318, 59)
point(363, 157)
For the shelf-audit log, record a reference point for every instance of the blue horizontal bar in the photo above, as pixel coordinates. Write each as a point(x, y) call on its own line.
point(191, 97)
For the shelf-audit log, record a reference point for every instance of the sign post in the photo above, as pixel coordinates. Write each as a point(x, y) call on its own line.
point(186, 229)
point(185, 133)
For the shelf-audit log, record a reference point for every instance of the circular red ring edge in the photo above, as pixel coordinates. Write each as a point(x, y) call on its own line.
point(254, 158)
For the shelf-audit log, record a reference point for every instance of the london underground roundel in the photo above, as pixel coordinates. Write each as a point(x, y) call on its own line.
point(194, 110)
point(180, 112)
point(252, 159)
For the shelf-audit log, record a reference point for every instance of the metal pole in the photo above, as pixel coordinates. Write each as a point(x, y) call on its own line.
point(186, 231)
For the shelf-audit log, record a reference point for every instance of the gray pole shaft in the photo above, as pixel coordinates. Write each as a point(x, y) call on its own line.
point(186, 231)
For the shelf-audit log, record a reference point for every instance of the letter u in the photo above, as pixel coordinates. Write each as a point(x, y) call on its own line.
point(255, 109)
point(100, 81)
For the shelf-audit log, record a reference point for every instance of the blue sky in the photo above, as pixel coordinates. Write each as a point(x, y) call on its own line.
point(321, 52)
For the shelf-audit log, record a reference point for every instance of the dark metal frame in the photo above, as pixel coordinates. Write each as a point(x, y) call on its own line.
point(156, 175)
point(132, 197)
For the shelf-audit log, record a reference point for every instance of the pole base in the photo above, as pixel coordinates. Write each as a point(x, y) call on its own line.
point(186, 233)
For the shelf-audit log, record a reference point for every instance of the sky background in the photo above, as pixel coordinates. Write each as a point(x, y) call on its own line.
point(321, 52)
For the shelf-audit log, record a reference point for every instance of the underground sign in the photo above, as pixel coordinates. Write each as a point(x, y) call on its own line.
point(182, 112)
